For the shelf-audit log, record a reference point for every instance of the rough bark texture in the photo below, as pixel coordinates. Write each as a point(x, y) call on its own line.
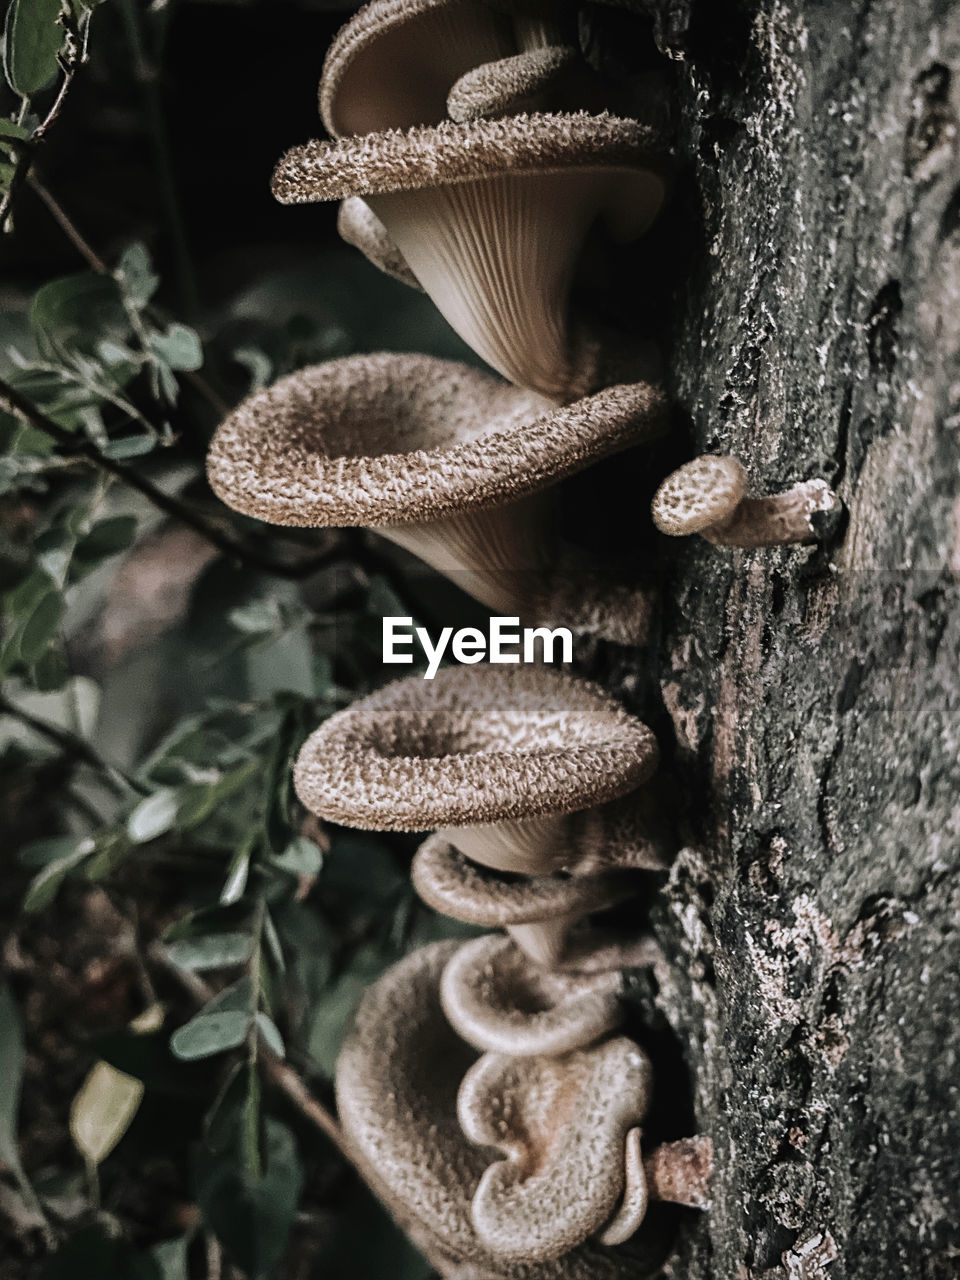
point(814, 694)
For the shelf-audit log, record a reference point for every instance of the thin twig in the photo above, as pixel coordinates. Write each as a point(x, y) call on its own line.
point(279, 1073)
point(17, 404)
point(96, 263)
point(69, 743)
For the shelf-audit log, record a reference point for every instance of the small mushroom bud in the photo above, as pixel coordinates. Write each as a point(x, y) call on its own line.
point(707, 496)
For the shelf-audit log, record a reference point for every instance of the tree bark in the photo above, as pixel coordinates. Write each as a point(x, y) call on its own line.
point(812, 694)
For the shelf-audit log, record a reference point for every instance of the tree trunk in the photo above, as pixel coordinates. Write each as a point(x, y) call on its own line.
point(812, 922)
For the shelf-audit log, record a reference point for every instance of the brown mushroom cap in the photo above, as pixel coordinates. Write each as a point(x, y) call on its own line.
point(412, 51)
point(388, 439)
point(699, 494)
point(562, 1125)
point(397, 1081)
point(476, 745)
point(452, 884)
point(510, 85)
point(500, 1001)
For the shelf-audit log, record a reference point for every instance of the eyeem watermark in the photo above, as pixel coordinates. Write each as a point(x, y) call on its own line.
point(506, 641)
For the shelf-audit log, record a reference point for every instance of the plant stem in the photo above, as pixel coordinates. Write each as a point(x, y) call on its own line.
point(69, 743)
point(13, 402)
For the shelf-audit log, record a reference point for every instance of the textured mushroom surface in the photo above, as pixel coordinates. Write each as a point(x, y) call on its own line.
point(699, 494)
point(475, 745)
point(386, 439)
point(562, 1125)
point(413, 51)
point(538, 911)
point(397, 1081)
point(499, 1000)
point(511, 85)
point(492, 217)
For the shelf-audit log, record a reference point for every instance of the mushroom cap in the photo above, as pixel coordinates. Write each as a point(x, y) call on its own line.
point(449, 153)
point(396, 1082)
point(500, 1001)
point(413, 51)
point(562, 1125)
point(392, 439)
point(510, 84)
point(452, 884)
point(476, 744)
point(699, 494)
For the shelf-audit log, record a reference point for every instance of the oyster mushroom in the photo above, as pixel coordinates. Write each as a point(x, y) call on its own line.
point(414, 51)
point(397, 1081)
point(537, 911)
point(500, 1001)
point(561, 1123)
point(492, 216)
point(495, 757)
point(513, 84)
point(707, 496)
point(444, 460)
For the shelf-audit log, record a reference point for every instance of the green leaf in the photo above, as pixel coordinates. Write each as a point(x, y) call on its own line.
point(153, 816)
point(13, 129)
point(103, 1110)
point(45, 886)
point(333, 1012)
point(129, 447)
point(218, 951)
point(261, 617)
point(39, 853)
point(210, 1033)
point(179, 347)
point(134, 273)
point(31, 41)
point(252, 1217)
point(301, 857)
point(76, 313)
point(238, 873)
point(42, 626)
point(107, 538)
point(170, 1258)
point(271, 1034)
point(12, 1058)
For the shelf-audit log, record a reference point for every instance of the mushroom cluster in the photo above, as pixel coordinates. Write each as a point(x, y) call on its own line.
point(534, 783)
point(487, 1091)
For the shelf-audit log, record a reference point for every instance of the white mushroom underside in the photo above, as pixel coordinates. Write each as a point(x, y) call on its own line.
point(531, 846)
point(498, 256)
point(499, 556)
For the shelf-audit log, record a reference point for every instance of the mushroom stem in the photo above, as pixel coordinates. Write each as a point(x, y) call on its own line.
point(680, 1172)
point(706, 496)
point(777, 520)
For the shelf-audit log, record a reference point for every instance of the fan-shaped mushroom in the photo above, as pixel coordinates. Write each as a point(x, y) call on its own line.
point(537, 911)
point(491, 217)
point(445, 460)
point(496, 757)
point(397, 1081)
point(501, 1001)
point(359, 225)
point(706, 496)
point(562, 1124)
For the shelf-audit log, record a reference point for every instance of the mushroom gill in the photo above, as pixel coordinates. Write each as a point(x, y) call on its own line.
point(561, 1123)
point(359, 226)
point(494, 756)
point(499, 1000)
point(446, 461)
point(492, 217)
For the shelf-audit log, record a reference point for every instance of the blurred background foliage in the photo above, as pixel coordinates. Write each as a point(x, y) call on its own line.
point(180, 940)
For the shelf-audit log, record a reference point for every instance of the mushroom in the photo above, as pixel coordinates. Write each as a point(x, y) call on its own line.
point(491, 216)
point(397, 1079)
point(414, 51)
point(511, 85)
point(706, 496)
point(359, 226)
point(537, 911)
point(446, 461)
point(561, 1123)
point(501, 1001)
point(496, 757)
